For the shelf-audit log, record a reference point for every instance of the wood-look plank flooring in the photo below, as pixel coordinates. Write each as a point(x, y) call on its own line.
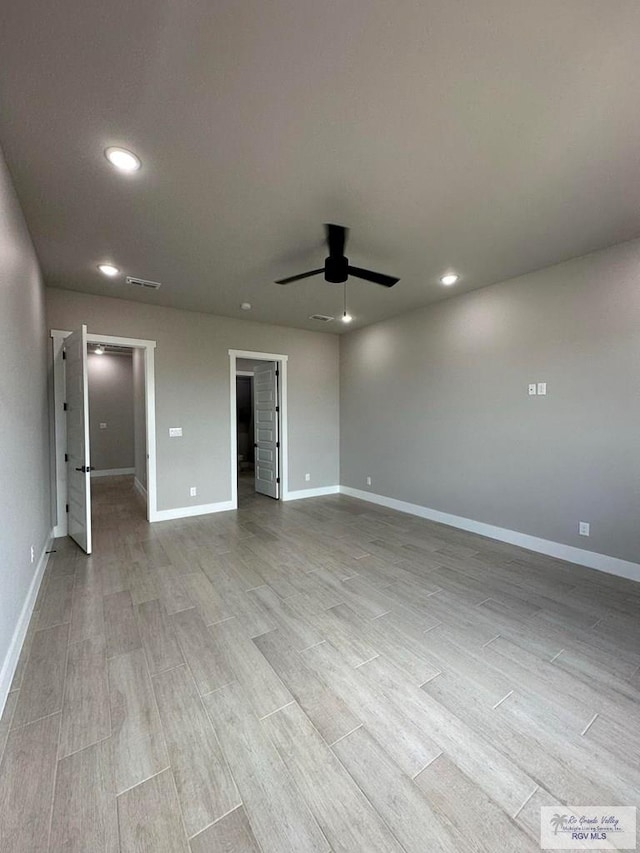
point(323, 675)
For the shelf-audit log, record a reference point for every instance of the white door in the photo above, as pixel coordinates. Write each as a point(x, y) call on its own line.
point(265, 425)
point(78, 466)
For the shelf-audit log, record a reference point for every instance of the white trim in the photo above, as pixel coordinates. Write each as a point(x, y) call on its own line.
point(10, 661)
point(112, 472)
point(189, 511)
point(245, 373)
point(150, 419)
point(234, 355)
point(258, 356)
point(149, 348)
point(139, 343)
point(311, 493)
point(590, 559)
point(137, 485)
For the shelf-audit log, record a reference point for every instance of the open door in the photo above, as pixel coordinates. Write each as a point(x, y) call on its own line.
point(78, 466)
point(265, 424)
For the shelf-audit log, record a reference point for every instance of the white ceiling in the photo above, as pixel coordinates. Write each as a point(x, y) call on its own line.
point(489, 136)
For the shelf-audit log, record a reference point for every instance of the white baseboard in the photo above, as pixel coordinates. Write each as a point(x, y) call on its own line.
point(113, 472)
point(189, 511)
point(311, 493)
point(15, 646)
point(601, 562)
point(137, 485)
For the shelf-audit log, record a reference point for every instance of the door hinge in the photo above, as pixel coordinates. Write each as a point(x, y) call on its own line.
point(66, 508)
point(277, 444)
point(65, 406)
point(66, 457)
point(277, 479)
point(277, 372)
point(277, 408)
point(64, 355)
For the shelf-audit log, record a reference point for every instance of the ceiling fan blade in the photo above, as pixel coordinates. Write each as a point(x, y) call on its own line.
point(298, 277)
point(336, 239)
point(376, 277)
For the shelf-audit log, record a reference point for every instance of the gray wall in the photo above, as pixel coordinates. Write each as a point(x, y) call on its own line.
point(434, 404)
point(25, 507)
point(111, 402)
point(192, 390)
point(139, 419)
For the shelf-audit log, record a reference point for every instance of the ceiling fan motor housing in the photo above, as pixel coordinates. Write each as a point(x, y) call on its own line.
point(336, 267)
point(336, 270)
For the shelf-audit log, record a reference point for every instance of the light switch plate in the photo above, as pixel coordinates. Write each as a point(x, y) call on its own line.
point(584, 528)
point(542, 388)
point(103, 426)
point(175, 432)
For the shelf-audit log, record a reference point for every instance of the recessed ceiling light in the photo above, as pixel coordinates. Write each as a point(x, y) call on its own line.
point(99, 350)
point(108, 269)
point(449, 278)
point(346, 317)
point(246, 306)
point(125, 161)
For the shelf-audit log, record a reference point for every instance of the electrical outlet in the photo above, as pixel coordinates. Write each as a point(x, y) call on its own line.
point(584, 528)
point(33, 554)
point(368, 481)
point(532, 389)
point(307, 477)
point(542, 389)
point(103, 426)
point(193, 491)
point(175, 432)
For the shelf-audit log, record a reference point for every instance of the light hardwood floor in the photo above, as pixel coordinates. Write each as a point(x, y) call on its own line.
point(323, 675)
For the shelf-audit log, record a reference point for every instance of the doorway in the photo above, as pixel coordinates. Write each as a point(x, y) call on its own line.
point(258, 384)
point(116, 436)
point(245, 434)
point(104, 395)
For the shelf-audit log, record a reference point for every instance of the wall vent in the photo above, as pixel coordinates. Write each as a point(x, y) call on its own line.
point(322, 318)
point(141, 282)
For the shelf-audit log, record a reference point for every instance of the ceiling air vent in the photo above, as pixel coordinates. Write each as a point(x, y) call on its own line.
point(141, 282)
point(321, 318)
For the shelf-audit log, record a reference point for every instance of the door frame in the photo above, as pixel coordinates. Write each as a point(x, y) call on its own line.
point(60, 424)
point(282, 360)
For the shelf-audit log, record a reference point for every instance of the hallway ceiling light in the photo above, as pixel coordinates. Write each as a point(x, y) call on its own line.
point(123, 160)
point(109, 269)
point(346, 317)
point(246, 306)
point(449, 278)
point(99, 350)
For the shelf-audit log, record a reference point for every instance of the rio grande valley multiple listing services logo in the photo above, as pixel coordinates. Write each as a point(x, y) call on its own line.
point(588, 828)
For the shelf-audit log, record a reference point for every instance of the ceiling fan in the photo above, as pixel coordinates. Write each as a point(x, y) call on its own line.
point(336, 267)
